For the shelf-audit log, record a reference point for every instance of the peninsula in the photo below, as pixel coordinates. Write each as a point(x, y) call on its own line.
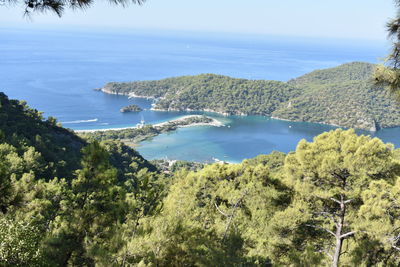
point(343, 96)
point(136, 134)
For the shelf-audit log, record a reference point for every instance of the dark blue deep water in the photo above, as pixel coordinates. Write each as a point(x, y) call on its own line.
point(56, 72)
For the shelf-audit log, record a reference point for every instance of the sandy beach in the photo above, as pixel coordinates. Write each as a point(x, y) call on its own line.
point(215, 123)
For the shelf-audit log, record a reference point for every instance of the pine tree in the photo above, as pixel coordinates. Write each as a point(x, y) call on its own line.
point(58, 6)
point(92, 212)
point(328, 177)
point(389, 73)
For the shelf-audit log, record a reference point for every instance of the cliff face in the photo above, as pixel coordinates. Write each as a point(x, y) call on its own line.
point(343, 96)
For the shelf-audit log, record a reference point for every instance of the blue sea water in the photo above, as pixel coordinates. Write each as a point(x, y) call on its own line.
point(56, 72)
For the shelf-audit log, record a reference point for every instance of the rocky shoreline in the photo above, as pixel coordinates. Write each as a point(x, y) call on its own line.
point(374, 128)
point(129, 95)
point(192, 110)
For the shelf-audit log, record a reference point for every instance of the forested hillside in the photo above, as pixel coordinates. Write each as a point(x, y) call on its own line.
point(343, 96)
point(113, 208)
point(211, 92)
point(55, 150)
point(58, 191)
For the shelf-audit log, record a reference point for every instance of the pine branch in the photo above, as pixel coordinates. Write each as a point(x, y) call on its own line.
point(347, 234)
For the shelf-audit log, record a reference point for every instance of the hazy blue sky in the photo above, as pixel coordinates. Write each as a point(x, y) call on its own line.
point(320, 18)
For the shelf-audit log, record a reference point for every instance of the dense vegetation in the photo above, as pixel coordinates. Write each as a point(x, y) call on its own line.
point(332, 201)
point(131, 108)
point(175, 165)
point(145, 132)
point(56, 189)
point(388, 73)
point(211, 92)
point(55, 150)
point(343, 96)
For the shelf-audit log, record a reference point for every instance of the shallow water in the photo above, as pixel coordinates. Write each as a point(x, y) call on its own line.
point(243, 137)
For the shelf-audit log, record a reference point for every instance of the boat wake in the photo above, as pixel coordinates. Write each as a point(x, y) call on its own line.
point(80, 121)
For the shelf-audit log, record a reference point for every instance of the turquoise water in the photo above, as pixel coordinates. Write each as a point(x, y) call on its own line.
point(56, 72)
point(243, 137)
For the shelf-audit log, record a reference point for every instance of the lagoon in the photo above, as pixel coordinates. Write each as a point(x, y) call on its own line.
point(242, 137)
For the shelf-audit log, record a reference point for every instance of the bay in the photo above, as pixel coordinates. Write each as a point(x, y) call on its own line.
point(241, 138)
point(55, 71)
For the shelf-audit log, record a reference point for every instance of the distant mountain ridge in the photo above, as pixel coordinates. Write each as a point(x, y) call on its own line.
point(343, 96)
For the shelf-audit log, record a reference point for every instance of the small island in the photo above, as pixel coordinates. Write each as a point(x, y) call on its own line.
point(131, 108)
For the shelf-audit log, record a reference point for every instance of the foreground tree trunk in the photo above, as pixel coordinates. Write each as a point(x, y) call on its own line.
point(339, 236)
point(338, 249)
point(339, 228)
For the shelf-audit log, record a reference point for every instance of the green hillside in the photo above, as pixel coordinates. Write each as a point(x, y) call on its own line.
point(23, 128)
point(342, 96)
point(354, 71)
point(43, 147)
point(212, 93)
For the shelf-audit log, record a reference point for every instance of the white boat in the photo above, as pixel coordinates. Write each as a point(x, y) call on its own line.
point(141, 124)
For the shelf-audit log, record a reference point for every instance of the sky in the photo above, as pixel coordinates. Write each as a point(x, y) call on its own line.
point(350, 19)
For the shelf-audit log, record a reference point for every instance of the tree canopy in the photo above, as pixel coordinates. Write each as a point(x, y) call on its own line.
point(333, 201)
point(329, 177)
point(388, 74)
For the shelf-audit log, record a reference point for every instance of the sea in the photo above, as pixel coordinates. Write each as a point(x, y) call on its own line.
point(57, 70)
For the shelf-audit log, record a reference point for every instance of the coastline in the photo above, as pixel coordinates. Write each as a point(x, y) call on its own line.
point(134, 95)
point(129, 95)
point(214, 123)
point(373, 129)
point(323, 123)
point(226, 114)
